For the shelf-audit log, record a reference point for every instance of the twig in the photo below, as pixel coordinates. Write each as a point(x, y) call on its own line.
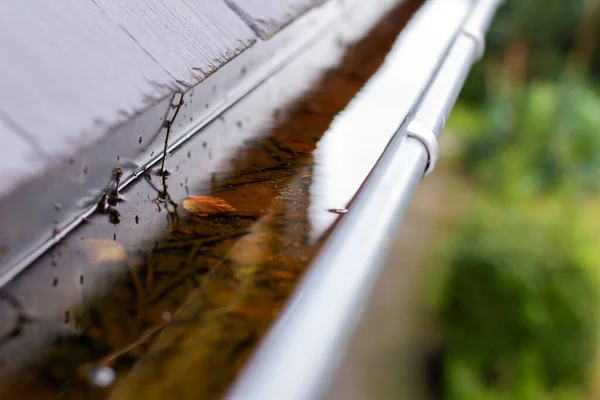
point(169, 125)
point(201, 242)
point(231, 186)
point(112, 357)
point(168, 285)
point(139, 290)
point(150, 272)
point(280, 146)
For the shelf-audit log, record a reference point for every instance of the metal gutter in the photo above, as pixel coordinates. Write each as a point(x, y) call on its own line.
point(300, 353)
point(64, 289)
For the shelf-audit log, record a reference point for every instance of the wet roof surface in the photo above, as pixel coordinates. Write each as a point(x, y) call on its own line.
point(182, 273)
point(83, 67)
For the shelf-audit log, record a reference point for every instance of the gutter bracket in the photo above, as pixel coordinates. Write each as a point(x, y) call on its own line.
point(477, 36)
point(429, 140)
point(478, 23)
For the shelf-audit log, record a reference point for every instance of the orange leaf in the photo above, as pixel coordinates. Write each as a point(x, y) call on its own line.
point(207, 205)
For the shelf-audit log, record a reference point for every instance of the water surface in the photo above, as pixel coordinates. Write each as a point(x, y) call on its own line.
point(184, 278)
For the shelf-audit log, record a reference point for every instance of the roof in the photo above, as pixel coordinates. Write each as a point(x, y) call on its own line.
point(86, 89)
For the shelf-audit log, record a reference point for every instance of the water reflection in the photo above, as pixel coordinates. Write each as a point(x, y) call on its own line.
point(361, 131)
point(187, 309)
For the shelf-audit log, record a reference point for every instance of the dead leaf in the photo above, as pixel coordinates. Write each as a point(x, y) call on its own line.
point(205, 205)
point(100, 251)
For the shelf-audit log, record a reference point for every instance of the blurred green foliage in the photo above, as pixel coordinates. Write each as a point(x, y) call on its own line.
point(520, 306)
point(548, 26)
point(545, 34)
point(540, 139)
point(529, 111)
point(519, 310)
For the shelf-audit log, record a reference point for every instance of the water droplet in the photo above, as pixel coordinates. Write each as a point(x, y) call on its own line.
point(166, 316)
point(102, 376)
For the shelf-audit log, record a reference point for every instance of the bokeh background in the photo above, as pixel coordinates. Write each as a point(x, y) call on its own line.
point(518, 307)
point(504, 237)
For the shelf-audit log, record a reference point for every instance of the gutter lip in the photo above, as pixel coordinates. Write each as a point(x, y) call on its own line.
point(299, 354)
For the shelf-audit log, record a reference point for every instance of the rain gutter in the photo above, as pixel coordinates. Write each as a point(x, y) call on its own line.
point(300, 353)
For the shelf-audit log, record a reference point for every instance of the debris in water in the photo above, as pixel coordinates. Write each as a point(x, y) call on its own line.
point(205, 205)
point(100, 251)
point(114, 216)
point(168, 125)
